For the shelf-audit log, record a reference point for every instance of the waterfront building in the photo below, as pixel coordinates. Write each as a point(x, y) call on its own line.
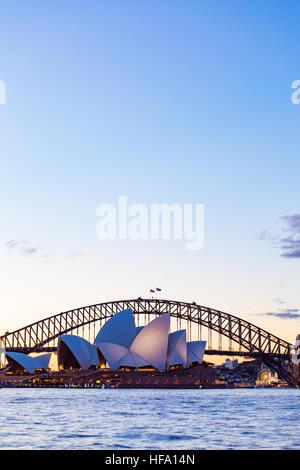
point(124, 355)
point(121, 344)
point(230, 363)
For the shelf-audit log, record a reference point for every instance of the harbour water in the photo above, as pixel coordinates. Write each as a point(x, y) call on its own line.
point(149, 419)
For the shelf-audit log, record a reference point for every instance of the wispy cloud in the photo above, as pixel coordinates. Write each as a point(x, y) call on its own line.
point(29, 249)
point(285, 314)
point(266, 235)
point(25, 247)
point(279, 301)
point(75, 254)
point(11, 244)
point(291, 243)
point(288, 240)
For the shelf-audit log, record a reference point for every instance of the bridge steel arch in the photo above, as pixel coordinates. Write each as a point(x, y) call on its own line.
point(275, 352)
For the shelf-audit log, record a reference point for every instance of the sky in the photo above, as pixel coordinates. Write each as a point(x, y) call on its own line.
point(185, 102)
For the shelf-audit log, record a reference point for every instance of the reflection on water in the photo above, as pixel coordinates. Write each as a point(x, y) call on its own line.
point(149, 419)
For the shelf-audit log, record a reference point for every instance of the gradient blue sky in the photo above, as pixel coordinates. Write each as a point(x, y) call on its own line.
point(173, 101)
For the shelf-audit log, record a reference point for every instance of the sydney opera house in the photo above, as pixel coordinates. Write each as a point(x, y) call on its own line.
point(125, 355)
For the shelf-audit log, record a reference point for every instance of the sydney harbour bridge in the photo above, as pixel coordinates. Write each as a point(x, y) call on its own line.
point(225, 334)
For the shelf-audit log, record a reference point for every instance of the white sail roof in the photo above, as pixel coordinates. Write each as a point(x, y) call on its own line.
point(82, 350)
point(26, 362)
point(152, 342)
point(128, 360)
point(42, 361)
point(195, 350)
point(30, 363)
point(119, 329)
point(177, 348)
point(115, 339)
point(132, 359)
point(113, 353)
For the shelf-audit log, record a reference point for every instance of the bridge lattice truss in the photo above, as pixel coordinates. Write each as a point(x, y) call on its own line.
point(255, 341)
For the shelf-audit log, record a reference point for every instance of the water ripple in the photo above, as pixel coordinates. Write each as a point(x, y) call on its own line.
point(149, 419)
